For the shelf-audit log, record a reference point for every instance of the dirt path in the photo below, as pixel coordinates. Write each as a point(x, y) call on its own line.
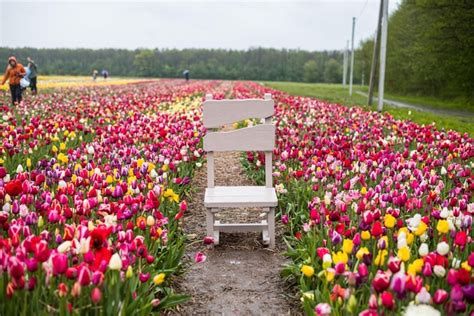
point(463, 114)
point(239, 276)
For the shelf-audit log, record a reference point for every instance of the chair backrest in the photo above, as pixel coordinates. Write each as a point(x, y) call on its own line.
point(217, 113)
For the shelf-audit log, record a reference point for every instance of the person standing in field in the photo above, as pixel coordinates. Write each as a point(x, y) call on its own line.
point(33, 75)
point(186, 74)
point(94, 74)
point(105, 73)
point(14, 73)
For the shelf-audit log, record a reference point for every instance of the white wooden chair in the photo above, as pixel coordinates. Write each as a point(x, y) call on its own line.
point(217, 113)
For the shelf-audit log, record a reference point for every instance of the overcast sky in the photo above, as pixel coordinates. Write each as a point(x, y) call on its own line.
point(309, 25)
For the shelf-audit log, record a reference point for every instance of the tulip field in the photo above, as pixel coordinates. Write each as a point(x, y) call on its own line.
point(377, 212)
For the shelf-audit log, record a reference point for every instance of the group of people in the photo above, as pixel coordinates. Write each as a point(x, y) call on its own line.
point(105, 74)
point(20, 78)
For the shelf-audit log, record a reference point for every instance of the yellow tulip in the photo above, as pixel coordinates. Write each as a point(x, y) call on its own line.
point(443, 226)
point(308, 271)
point(361, 252)
point(159, 278)
point(404, 254)
point(365, 235)
point(347, 246)
point(421, 229)
point(389, 221)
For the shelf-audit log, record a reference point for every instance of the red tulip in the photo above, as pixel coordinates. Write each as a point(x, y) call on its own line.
point(321, 251)
point(377, 229)
point(15, 268)
point(387, 300)
point(461, 238)
point(13, 188)
point(3, 172)
point(381, 281)
point(41, 251)
point(414, 283)
point(208, 240)
point(394, 264)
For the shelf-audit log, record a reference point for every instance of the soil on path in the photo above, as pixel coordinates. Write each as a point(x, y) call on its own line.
point(239, 276)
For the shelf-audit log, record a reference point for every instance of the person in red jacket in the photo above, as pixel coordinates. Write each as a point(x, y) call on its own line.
point(14, 72)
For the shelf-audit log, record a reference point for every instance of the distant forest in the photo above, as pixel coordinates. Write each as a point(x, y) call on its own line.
point(253, 64)
point(430, 52)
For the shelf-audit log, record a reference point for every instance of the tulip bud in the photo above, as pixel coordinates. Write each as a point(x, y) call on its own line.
point(373, 304)
point(62, 289)
point(40, 222)
point(129, 273)
point(96, 295)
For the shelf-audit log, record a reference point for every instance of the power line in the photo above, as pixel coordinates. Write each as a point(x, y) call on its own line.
point(363, 9)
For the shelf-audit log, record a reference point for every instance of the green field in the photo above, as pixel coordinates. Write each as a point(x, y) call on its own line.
point(335, 93)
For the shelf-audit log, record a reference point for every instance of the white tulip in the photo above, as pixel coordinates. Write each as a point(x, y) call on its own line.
point(439, 271)
point(115, 262)
point(442, 248)
point(82, 245)
point(19, 169)
point(456, 263)
point(7, 207)
point(444, 213)
point(423, 250)
point(65, 246)
point(90, 150)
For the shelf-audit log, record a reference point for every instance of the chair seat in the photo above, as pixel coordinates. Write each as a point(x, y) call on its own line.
point(242, 196)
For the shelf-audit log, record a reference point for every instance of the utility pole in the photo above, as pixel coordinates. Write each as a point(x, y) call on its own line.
point(352, 57)
point(375, 57)
point(346, 57)
point(383, 52)
point(363, 74)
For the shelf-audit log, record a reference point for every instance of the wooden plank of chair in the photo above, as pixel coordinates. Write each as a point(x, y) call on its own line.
point(255, 138)
point(220, 112)
point(240, 227)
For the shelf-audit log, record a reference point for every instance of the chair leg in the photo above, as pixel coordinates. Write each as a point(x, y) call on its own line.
point(265, 232)
point(271, 227)
point(210, 222)
point(210, 226)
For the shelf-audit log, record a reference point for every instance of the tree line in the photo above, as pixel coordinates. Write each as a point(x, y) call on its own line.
point(252, 64)
point(430, 49)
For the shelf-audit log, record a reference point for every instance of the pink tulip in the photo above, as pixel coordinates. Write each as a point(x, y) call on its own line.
point(84, 276)
point(96, 295)
point(59, 262)
point(199, 257)
point(440, 296)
